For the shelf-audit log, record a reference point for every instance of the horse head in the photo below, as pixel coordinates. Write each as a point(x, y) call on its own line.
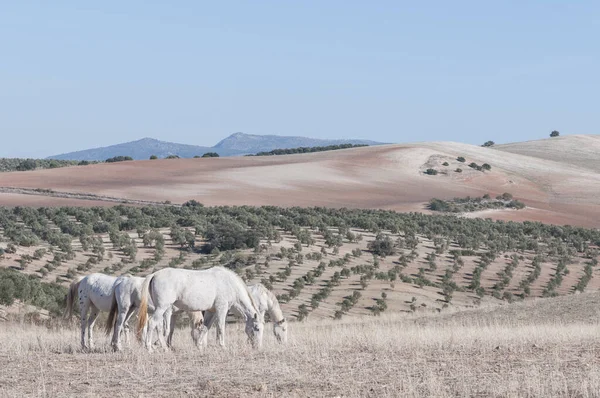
point(254, 329)
point(280, 330)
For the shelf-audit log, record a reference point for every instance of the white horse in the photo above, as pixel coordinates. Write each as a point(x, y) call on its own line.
point(127, 298)
point(266, 301)
point(215, 289)
point(95, 292)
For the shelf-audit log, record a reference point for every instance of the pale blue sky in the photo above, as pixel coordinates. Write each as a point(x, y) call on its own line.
point(75, 76)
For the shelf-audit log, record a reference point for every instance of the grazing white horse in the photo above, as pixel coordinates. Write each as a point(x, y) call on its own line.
point(266, 301)
point(127, 298)
point(95, 292)
point(215, 289)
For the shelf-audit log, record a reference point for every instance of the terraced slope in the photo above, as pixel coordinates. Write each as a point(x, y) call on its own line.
point(334, 273)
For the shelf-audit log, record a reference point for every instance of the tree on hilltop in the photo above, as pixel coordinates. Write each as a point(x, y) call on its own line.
point(554, 133)
point(210, 155)
point(118, 159)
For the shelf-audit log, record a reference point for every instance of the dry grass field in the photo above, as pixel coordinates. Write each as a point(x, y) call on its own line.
point(549, 349)
point(558, 179)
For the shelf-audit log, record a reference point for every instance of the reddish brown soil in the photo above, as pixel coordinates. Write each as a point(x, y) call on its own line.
point(388, 177)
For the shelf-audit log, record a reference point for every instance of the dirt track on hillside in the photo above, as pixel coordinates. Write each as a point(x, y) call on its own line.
point(388, 177)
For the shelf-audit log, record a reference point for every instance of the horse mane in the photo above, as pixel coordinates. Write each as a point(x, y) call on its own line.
point(275, 309)
point(251, 298)
point(241, 283)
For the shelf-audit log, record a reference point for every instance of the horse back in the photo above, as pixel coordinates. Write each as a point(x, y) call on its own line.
point(99, 289)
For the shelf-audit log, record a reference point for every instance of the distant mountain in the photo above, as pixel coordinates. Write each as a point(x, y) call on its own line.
point(244, 144)
point(235, 144)
point(140, 149)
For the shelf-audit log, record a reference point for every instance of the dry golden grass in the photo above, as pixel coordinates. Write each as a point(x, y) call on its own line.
point(476, 353)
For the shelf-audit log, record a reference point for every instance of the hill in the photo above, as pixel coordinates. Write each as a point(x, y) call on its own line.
point(243, 144)
point(576, 150)
point(383, 177)
point(140, 149)
point(236, 144)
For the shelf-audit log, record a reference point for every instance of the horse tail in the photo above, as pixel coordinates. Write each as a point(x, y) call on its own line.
point(143, 311)
point(112, 315)
point(71, 296)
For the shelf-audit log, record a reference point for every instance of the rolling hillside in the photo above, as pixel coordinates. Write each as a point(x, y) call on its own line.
point(577, 150)
point(385, 177)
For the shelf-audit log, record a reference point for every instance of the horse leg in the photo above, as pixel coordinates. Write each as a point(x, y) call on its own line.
point(120, 327)
point(174, 317)
point(156, 322)
point(126, 325)
point(166, 328)
point(84, 306)
point(91, 320)
point(221, 314)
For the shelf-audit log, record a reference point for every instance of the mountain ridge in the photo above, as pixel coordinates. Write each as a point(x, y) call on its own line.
point(236, 144)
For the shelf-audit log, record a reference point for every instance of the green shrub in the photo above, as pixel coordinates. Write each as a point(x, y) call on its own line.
point(30, 290)
point(118, 159)
point(289, 151)
point(382, 246)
